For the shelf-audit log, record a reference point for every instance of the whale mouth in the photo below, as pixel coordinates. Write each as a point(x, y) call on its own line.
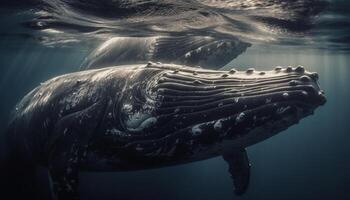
point(261, 123)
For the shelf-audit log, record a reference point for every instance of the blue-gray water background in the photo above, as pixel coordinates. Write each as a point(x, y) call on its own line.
point(310, 160)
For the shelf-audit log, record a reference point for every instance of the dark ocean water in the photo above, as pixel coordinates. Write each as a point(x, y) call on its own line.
point(310, 160)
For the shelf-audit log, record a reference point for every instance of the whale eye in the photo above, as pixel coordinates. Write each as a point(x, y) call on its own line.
point(136, 111)
point(136, 119)
point(127, 108)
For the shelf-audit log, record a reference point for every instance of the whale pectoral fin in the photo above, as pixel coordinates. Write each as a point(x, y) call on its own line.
point(207, 52)
point(64, 176)
point(64, 164)
point(67, 149)
point(239, 167)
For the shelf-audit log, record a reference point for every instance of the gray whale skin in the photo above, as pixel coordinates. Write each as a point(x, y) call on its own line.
point(153, 115)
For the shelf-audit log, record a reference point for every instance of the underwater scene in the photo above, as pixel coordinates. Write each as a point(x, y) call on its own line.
point(174, 100)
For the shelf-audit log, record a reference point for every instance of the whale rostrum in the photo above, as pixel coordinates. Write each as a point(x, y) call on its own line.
point(153, 115)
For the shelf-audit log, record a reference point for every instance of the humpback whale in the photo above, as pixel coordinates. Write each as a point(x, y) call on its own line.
point(154, 115)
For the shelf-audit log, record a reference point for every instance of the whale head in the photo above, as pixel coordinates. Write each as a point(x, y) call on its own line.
point(179, 109)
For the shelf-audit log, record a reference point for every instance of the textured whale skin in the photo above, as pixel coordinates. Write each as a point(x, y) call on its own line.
point(153, 115)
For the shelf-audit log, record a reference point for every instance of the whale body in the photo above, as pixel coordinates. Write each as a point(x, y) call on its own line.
point(154, 115)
